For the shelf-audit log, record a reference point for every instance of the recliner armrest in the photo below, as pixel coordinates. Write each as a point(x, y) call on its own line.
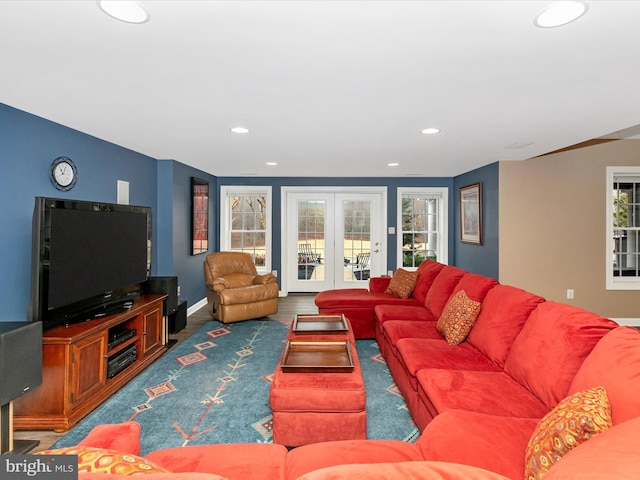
point(219, 283)
point(264, 279)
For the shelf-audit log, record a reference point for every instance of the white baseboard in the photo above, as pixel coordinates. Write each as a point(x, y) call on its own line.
point(631, 322)
point(203, 303)
point(196, 306)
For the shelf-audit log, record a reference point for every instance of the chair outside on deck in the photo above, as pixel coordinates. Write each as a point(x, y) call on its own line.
point(361, 268)
point(235, 291)
point(307, 261)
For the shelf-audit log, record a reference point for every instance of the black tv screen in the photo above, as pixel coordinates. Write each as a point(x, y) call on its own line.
point(89, 258)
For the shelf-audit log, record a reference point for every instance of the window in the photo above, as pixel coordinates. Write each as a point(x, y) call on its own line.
point(422, 214)
point(623, 228)
point(247, 223)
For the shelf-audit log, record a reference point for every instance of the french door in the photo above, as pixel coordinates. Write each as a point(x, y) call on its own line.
point(332, 240)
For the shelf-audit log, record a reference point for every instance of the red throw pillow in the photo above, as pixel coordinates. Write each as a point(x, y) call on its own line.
point(92, 459)
point(402, 283)
point(573, 421)
point(458, 317)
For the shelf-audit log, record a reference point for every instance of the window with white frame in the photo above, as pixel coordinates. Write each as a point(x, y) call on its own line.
point(623, 228)
point(246, 225)
point(422, 232)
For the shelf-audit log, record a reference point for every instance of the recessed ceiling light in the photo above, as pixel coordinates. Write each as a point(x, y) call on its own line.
point(560, 13)
point(239, 130)
point(430, 131)
point(125, 10)
point(393, 164)
point(272, 164)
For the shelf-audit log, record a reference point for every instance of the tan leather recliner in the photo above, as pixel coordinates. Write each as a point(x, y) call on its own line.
point(235, 291)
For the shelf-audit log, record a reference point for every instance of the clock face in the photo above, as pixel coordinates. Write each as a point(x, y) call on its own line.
point(63, 173)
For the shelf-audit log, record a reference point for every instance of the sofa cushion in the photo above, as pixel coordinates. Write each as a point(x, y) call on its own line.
point(154, 476)
point(552, 345)
point(307, 458)
point(504, 311)
point(92, 459)
point(610, 455)
point(458, 317)
point(384, 313)
point(404, 471)
point(402, 283)
point(494, 393)
point(416, 354)
point(441, 289)
point(427, 272)
point(357, 304)
point(573, 421)
point(614, 363)
point(358, 297)
point(491, 442)
point(123, 437)
point(236, 461)
point(475, 286)
point(394, 330)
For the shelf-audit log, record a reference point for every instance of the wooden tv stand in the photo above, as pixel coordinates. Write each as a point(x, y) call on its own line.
point(75, 362)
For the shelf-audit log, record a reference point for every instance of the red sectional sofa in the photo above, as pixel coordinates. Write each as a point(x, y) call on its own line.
point(477, 403)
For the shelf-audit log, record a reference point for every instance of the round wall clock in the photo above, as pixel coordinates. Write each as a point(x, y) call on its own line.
point(63, 173)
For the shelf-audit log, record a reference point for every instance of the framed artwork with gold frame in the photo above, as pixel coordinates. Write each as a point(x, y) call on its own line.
point(199, 216)
point(471, 214)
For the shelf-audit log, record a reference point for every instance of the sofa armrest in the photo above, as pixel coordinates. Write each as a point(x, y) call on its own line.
point(379, 284)
point(123, 437)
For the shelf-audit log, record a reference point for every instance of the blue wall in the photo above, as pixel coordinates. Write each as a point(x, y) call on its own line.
point(482, 259)
point(174, 200)
point(28, 145)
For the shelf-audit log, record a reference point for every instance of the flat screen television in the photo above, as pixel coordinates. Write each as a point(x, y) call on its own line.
point(89, 259)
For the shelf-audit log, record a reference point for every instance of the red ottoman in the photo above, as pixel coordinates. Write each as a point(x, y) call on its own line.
point(318, 407)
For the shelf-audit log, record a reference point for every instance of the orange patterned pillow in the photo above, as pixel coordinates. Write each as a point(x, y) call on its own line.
point(573, 421)
point(458, 317)
point(92, 459)
point(402, 283)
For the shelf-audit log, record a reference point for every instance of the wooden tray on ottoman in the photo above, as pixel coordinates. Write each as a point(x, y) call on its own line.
point(313, 323)
point(317, 357)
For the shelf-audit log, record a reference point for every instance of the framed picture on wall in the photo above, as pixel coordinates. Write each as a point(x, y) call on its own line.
point(199, 216)
point(471, 214)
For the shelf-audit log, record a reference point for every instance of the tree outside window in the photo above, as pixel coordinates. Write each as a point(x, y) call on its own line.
point(249, 226)
point(421, 219)
point(246, 222)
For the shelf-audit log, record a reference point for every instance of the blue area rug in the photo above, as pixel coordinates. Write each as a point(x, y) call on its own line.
point(214, 388)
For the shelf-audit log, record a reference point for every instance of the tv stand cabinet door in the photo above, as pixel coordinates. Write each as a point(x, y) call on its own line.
point(151, 331)
point(88, 367)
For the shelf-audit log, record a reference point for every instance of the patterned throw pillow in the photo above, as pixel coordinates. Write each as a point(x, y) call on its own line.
point(402, 283)
point(92, 459)
point(573, 421)
point(458, 317)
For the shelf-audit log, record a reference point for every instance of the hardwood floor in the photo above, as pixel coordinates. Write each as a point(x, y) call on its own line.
point(287, 308)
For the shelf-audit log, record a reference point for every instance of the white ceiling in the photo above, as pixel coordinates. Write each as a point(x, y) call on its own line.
point(327, 88)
